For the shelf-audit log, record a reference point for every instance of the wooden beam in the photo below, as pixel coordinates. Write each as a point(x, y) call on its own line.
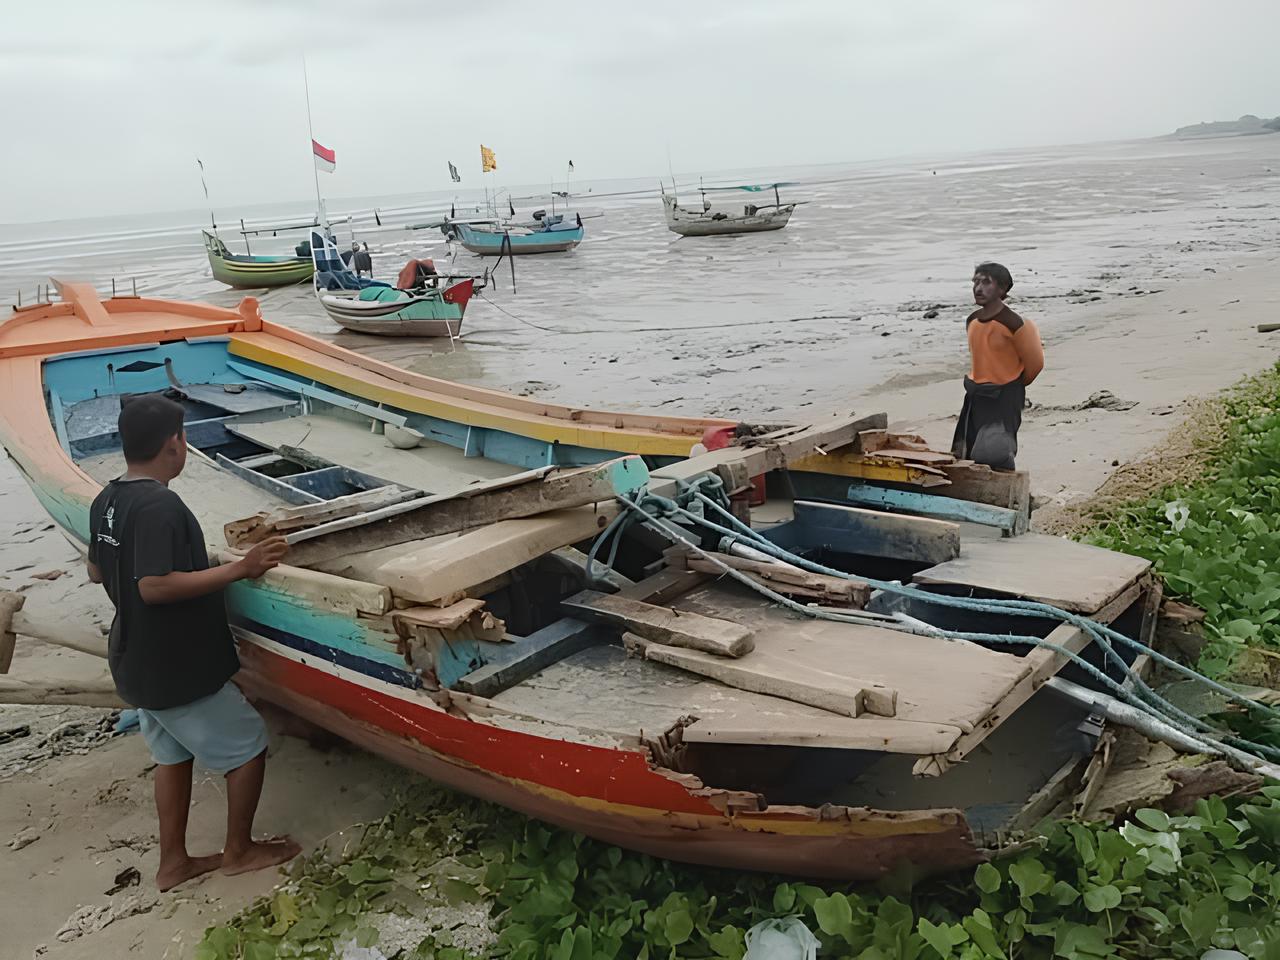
point(524, 495)
point(999, 488)
point(867, 732)
point(10, 604)
point(530, 654)
point(311, 512)
point(574, 561)
point(1042, 663)
point(932, 505)
point(877, 534)
point(83, 693)
point(664, 625)
point(776, 677)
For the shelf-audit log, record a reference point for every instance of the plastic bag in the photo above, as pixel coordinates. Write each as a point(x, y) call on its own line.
point(781, 939)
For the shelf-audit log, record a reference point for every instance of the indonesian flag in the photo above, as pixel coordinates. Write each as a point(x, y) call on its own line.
point(325, 158)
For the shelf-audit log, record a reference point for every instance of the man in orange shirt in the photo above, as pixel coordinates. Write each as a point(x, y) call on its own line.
point(1006, 356)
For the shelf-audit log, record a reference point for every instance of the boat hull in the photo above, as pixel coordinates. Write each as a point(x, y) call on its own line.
point(260, 272)
point(415, 318)
point(697, 223)
point(633, 806)
point(492, 244)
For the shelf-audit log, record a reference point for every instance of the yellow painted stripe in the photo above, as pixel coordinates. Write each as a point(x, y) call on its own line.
point(548, 429)
point(753, 823)
point(862, 467)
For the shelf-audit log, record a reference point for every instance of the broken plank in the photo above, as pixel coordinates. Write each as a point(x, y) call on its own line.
point(875, 533)
point(549, 490)
point(931, 505)
point(661, 624)
point(1000, 488)
point(885, 734)
point(439, 618)
point(774, 676)
point(869, 441)
point(530, 654)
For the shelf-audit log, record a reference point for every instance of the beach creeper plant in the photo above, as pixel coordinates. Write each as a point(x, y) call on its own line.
point(1158, 886)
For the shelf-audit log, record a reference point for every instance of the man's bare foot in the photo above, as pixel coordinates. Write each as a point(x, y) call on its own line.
point(260, 854)
point(169, 876)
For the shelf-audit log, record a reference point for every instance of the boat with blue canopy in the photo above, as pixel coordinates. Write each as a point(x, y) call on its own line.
point(710, 221)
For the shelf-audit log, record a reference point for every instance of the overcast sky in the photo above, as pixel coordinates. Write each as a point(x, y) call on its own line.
point(106, 105)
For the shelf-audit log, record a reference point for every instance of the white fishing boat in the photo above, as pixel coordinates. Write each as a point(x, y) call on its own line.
point(709, 221)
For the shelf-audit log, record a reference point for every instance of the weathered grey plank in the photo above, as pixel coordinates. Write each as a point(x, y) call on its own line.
point(662, 624)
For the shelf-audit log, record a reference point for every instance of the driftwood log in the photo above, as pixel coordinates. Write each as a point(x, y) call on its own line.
point(98, 692)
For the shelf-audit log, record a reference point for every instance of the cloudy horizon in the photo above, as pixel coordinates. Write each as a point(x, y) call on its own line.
point(109, 106)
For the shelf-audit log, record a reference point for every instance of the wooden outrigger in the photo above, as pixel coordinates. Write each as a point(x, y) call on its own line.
point(437, 608)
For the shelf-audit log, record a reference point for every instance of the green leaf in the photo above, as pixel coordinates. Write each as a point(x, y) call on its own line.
point(1202, 918)
point(728, 942)
point(679, 927)
point(1155, 819)
point(834, 914)
point(366, 936)
point(459, 891)
point(1064, 894)
point(1097, 899)
point(937, 936)
point(259, 950)
point(784, 898)
point(978, 926)
point(987, 878)
point(1030, 876)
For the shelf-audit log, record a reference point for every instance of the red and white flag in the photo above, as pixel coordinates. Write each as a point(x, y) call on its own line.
point(325, 158)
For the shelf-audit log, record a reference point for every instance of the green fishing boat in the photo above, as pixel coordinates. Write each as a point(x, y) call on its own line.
point(247, 271)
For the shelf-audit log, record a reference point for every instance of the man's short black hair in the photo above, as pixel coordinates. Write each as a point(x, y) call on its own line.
point(997, 272)
point(146, 422)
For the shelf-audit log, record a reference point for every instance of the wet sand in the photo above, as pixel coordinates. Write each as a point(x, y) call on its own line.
point(1180, 286)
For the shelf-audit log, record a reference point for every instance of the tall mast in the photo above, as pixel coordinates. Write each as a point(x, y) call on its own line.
point(315, 174)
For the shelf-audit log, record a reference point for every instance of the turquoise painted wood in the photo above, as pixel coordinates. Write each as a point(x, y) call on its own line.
point(309, 389)
point(873, 533)
point(928, 505)
point(294, 615)
point(82, 376)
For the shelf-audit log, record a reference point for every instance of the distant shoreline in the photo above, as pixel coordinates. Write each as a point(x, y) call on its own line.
point(1246, 126)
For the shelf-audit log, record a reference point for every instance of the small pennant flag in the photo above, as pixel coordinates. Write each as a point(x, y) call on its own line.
point(325, 158)
point(571, 166)
point(202, 183)
point(453, 173)
point(487, 160)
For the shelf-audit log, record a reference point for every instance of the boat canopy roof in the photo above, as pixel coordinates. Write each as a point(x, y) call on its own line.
point(752, 187)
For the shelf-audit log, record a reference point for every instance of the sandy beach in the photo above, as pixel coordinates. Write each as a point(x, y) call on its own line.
point(1169, 318)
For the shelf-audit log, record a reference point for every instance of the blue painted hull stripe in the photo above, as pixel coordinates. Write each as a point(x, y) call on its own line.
point(370, 668)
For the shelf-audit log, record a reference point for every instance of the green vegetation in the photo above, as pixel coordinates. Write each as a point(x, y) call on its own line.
point(1216, 542)
point(1159, 887)
point(481, 881)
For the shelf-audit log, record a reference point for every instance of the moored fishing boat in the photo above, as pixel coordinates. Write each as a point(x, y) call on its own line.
point(425, 304)
point(711, 222)
point(441, 605)
point(246, 271)
point(552, 234)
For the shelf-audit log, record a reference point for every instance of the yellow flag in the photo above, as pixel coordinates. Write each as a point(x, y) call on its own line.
point(487, 160)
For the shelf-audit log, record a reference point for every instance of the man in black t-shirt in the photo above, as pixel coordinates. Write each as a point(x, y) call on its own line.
point(171, 651)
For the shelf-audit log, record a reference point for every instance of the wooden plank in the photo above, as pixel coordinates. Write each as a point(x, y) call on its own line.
point(773, 676)
point(527, 656)
point(44, 692)
point(439, 618)
point(931, 505)
point(426, 571)
point(869, 441)
point(1000, 488)
point(785, 579)
point(875, 533)
point(543, 491)
point(662, 624)
point(1042, 663)
point(318, 393)
point(278, 488)
point(867, 732)
point(1074, 576)
point(311, 512)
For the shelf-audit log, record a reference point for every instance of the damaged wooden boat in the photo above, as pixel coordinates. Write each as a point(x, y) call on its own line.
point(464, 595)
